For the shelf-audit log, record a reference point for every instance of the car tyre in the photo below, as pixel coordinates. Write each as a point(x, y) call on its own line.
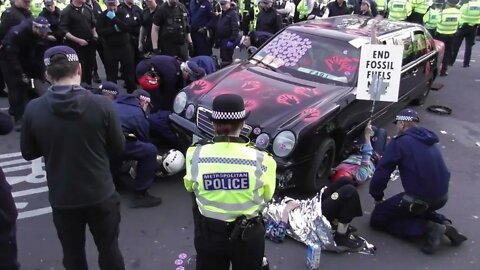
point(320, 167)
point(423, 97)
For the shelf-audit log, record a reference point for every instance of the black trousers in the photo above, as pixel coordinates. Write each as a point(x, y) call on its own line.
point(468, 33)
point(86, 55)
point(99, 48)
point(201, 43)
point(448, 41)
point(8, 249)
point(226, 54)
point(416, 18)
point(103, 219)
point(216, 252)
point(341, 202)
point(174, 49)
point(125, 56)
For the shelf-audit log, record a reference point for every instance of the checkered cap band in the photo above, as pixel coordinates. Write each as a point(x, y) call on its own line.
point(70, 58)
point(111, 92)
point(406, 118)
point(228, 115)
point(234, 161)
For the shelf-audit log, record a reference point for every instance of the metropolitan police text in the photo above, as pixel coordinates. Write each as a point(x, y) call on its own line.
point(383, 67)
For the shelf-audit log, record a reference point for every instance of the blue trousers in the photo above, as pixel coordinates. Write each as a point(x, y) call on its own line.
point(146, 156)
point(201, 44)
point(398, 221)
point(226, 54)
point(160, 127)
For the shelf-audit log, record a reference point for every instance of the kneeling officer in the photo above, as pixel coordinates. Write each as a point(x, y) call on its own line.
point(232, 182)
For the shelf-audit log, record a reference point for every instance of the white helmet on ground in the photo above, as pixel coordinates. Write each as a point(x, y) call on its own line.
point(173, 161)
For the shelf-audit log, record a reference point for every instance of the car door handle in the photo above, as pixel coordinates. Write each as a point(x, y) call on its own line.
point(415, 71)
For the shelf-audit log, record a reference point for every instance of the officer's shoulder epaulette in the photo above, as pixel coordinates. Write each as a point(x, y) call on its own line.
point(203, 142)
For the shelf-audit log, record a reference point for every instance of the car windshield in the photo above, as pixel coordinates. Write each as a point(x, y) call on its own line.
point(311, 57)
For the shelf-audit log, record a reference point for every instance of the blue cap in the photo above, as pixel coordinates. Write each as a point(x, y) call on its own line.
point(109, 88)
point(68, 52)
point(195, 72)
point(42, 24)
point(407, 115)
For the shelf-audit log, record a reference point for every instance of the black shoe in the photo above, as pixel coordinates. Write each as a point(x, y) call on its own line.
point(434, 238)
point(18, 125)
point(348, 242)
point(144, 200)
point(466, 66)
point(455, 237)
point(443, 74)
point(96, 78)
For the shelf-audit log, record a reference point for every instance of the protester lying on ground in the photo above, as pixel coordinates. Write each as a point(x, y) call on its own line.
point(361, 162)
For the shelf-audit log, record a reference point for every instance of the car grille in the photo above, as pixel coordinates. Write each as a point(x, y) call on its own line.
point(204, 123)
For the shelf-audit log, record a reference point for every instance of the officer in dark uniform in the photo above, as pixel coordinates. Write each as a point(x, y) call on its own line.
point(202, 21)
point(21, 54)
point(10, 17)
point(255, 38)
point(337, 8)
point(97, 10)
point(226, 32)
point(52, 13)
point(115, 33)
point(8, 218)
point(268, 19)
point(77, 24)
point(208, 63)
point(171, 31)
point(230, 182)
point(145, 36)
point(134, 21)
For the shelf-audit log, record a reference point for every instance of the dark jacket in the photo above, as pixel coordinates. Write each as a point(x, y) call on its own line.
point(132, 117)
point(420, 162)
point(23, 50)
point(205, 62)
point(202, 14)
point(147, 21)
point(8, 211)
point(54, 20)
point(11, 17)
point(112, 36)
point(269, 21)
point(78, 21)
point(335, 10)
point(227, 26)
point(134, 20)
point(171, 81)
point(173, 23)
point(258, 38)
point(76, 131)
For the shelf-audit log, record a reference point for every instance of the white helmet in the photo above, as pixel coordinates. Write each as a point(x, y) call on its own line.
point(173, 161)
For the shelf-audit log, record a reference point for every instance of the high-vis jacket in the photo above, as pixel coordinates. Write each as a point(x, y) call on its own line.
point(399, 10)
point(470, 13)
point(421, 6)
point(229, 178)
point(381, 5)
point(431, 18)
point(449, 20)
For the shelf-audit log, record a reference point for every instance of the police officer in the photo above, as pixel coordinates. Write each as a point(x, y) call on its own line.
point(108, 89)
point(419, 8)
point(36, 7)
point(52, 13)
point(226, 32)
point(399, 10)
point(12, 16)
point(77, 24)
point(161, 75)
point(268, 19)
point(469, 21)
point(255, 38)
point(337, 8)
point(382, 7)
point(21, 55)
point(8, 218)
point(432, 17)
point(171, 31)
point(447, 27)
point(97, 10)
point(134, 21)
point(132, 109)
point(145, 37)
point(202, 24)
point(207, 63)
point(231, 182)
point(425, 178)
point(248, 11)
point(115, 33)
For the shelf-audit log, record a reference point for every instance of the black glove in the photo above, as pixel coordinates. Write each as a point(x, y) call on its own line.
point(157, 51)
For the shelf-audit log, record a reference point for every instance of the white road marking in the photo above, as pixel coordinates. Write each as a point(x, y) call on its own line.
point(27, 192)
point(34, 213)
point(21, 205)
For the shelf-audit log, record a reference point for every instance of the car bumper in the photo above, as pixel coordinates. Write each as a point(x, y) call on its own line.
point(188, 133)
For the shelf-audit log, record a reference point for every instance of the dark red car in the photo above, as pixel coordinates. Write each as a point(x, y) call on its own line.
point(300, 89)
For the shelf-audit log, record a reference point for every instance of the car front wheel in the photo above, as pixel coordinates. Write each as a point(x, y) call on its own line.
point(320, 167)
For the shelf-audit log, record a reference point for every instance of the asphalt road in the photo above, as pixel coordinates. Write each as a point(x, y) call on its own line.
point(153, 239)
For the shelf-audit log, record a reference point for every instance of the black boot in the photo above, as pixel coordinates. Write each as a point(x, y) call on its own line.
point(142, 199)
point(433, 238)
point(455, 237)
point(18, 124)
point(348, 242)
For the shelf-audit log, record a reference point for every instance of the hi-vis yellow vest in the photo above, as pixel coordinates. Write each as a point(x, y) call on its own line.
point(229, 179)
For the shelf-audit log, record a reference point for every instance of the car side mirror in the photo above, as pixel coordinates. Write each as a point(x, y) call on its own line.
point(251, 50)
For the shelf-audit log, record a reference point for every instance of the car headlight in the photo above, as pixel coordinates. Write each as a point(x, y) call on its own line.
point(262, 141)
point(180, 102)
point(190, 111)
point(284, 143)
